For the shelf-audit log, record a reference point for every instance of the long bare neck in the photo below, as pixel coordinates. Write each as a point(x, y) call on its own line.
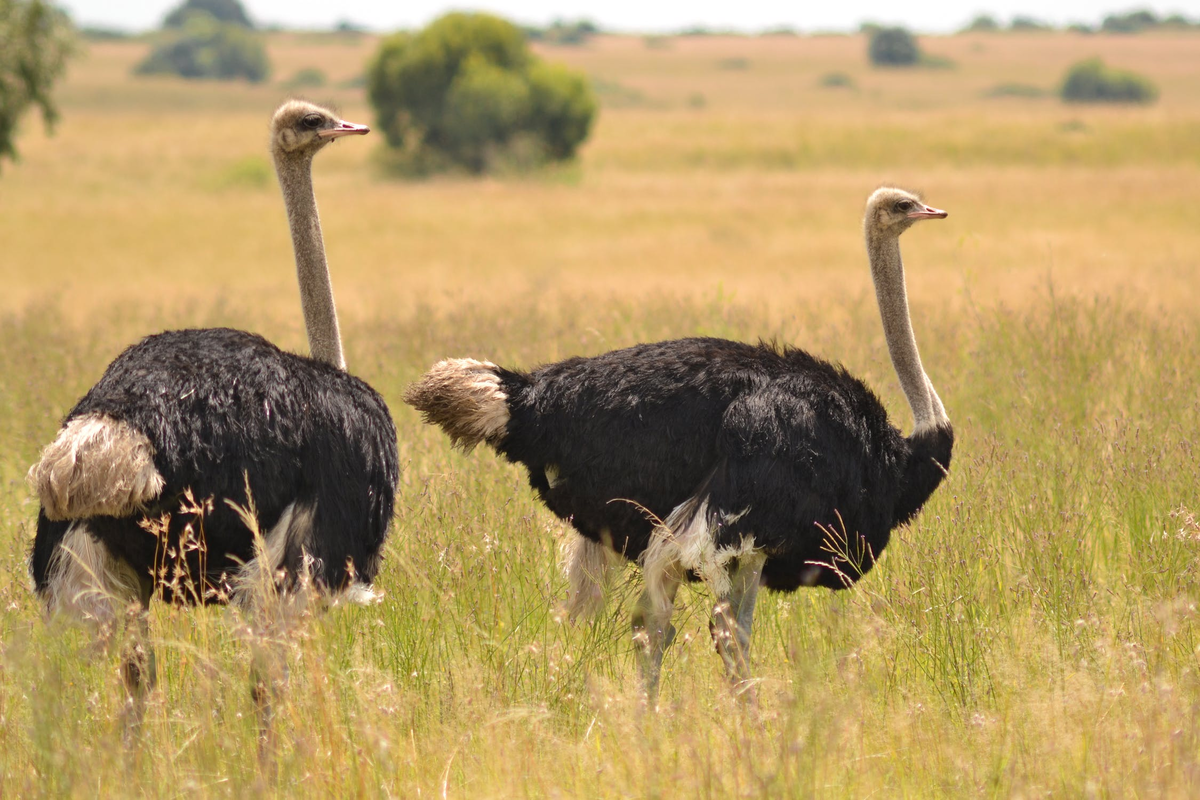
point(312, 270)
point(887, 270)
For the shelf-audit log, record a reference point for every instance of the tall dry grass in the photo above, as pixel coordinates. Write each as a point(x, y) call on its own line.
point(1035, 631)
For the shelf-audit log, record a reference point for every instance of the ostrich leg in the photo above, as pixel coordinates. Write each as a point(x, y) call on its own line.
point(653, 633)
point(588, 565)
point(268, 678)
point(733, 616)
point(137, 658)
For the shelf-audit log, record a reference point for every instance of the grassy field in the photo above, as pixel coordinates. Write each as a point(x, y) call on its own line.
point(1035, 632)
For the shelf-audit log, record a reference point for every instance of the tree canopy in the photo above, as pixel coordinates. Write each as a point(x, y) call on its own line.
point(37, 40)
point(208, 48)
point(1092, 81)
point(893, 47)
point(467, 92)
point(230, 11)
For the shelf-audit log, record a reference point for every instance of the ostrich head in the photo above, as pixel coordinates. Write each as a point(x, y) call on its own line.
point(302, 127)
point(893, 211)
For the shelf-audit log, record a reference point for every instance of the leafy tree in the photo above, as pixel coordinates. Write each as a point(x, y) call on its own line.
point(893, 47)
point(984, 23)
point(562, 32)
point(562, 107)
point(466, 91)
point(35, 41)
point(1091, 81)
point(93, 33)
point(207, 48)
point(349, 27)
point(1024, 24)
point(1132, 22)
point(230, 11)
point(306, 78)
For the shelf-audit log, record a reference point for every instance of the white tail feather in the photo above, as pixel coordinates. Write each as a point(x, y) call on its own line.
point(96, 466)
point(464, 397)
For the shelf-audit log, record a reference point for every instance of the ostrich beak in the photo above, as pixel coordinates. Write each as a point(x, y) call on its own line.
point(927, 212)
point(344, 129)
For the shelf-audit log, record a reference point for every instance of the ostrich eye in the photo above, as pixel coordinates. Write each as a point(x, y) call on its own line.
point(904, 205)
point(312, 121)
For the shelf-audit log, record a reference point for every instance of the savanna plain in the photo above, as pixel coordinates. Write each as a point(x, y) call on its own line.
point(1034, 632)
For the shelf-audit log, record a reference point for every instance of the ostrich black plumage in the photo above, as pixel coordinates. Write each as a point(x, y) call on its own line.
point(757, 465)
point(217, 413)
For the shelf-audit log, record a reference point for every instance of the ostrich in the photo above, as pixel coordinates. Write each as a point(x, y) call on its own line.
point(185, 425)
point(740, 465)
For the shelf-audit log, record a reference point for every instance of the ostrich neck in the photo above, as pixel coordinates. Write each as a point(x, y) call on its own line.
point(887, 271)
point(312, 270)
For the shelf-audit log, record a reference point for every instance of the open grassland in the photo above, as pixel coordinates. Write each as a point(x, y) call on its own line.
point(165, 188)
point(1034, 632)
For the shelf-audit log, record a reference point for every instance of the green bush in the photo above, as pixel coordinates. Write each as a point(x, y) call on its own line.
point(561, 32)
point(1177, 22)
point(1132, 22)
point(836, 80)
point(466, 92)
point(306, 78)
point(207, 48)
point(1092, 82)
point(984, 23)
point(893, 47)
point(230, 11)
point(94, 33)
point(1022, 24)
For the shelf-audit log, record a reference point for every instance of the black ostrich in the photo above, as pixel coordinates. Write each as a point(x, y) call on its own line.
point(186, 416)
point(733, 463)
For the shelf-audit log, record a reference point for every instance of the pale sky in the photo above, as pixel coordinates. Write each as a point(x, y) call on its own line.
point(938, 16)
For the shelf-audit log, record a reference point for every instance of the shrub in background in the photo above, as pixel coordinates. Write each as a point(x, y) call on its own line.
point(1144, 20)
point(836, 80)
point(984, 23)
point(893, 47)
point(1022, 24)
point(207, 48)
point(1132, 22)
point(1177, 22)
point(466, 92)
point(230, 11)
point(306, 78)
point(1091, 81)
point(94, 33)
point(565, 33)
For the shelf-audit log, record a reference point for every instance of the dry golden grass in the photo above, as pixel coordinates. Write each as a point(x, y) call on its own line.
point(163, 187)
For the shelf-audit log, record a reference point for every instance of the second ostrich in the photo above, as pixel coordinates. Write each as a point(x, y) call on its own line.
point(187, 416)
point(733, 463)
